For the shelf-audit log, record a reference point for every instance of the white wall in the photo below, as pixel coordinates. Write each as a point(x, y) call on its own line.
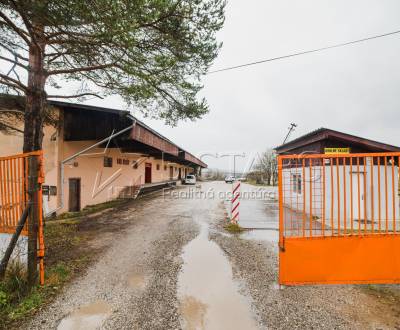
point(335, 204)
point(20, 252)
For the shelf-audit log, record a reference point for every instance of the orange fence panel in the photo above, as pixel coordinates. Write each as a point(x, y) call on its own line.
point(340, 260)
point(337, 211)
point(14, 173)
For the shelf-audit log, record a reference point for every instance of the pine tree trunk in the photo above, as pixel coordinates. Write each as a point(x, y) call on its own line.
point(35, 99)
point(33, 137)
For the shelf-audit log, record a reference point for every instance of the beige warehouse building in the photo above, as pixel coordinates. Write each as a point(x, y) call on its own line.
point(93, 155)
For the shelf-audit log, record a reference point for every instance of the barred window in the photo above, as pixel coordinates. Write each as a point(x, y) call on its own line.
point(108, 162)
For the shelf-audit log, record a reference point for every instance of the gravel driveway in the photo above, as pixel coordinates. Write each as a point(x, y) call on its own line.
point(141, 281)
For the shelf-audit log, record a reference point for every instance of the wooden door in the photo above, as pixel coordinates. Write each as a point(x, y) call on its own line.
point(171, 172)
point(147, 173)
point(74, 204)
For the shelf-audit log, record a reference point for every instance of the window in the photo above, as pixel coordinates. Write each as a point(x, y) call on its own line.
point(108, 162)
point(165, 167)
point(296, 183)
point(158, 167)
point(53, 190)
point(45, 190)
point(121, 161)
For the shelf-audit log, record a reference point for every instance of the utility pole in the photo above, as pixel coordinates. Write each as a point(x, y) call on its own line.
point(291, 129)
point(234, 160)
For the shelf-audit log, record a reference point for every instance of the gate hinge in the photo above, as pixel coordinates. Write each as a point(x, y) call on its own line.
point(40, 254)
point(282, 245)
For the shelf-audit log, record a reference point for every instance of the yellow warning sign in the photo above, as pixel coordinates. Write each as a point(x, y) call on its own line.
point(337, 150)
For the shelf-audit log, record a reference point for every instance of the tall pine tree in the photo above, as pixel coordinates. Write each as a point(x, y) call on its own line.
point(151, 52)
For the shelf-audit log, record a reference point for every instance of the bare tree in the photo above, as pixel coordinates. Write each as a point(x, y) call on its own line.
point(266, 168)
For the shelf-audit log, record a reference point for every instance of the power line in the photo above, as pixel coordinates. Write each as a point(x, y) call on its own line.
point(305, 52)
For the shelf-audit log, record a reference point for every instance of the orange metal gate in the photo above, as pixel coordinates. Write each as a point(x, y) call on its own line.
point(339, 218)
point(14, 196)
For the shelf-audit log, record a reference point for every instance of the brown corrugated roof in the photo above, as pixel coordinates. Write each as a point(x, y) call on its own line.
point(326, 133)
point(10, 101)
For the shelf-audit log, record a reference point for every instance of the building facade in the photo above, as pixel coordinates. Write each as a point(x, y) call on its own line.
point(93, 155)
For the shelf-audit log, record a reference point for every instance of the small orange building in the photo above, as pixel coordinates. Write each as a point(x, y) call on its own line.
point(94, 154)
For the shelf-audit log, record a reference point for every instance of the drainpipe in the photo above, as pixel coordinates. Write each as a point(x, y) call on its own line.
point(80, 153)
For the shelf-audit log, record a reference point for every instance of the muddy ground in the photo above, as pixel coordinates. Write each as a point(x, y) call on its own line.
point(305, 307)
point(165, 262)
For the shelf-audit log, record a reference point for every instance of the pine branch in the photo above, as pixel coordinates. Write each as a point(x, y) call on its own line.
point(14, 62)
point(14, 52)
point(8, 81)
point(22, 33)
point(73, 96)
point(81, 69)
point(28, 25)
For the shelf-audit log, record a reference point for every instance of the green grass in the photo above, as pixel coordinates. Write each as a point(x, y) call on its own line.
point(90, 209)
point(233, 228)
point(17, 302)
point(65, 257)
point(387, 292)
point(27, 305)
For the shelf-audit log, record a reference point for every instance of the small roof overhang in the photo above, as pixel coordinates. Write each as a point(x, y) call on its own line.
point(329, 134)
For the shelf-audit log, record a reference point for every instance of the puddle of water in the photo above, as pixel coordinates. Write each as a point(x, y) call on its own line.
point(208, 295)
point(86, 317)
point(194, 312)
point(136, 281)
point(261, 235)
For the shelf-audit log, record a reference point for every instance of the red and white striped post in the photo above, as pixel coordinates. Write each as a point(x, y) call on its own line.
point(235, 202)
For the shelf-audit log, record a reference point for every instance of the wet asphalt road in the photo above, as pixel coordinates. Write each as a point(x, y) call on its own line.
point(175, 267)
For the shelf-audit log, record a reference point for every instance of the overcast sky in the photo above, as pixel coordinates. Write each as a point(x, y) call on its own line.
point(354, 89)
